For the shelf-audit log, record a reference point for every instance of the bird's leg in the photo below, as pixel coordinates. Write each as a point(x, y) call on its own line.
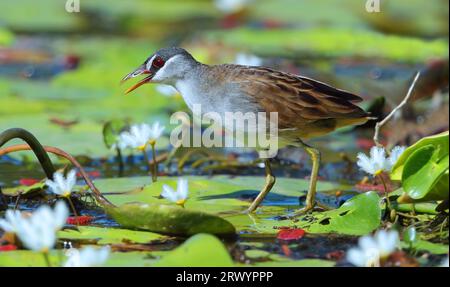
point(270, 181)
point(311, 195)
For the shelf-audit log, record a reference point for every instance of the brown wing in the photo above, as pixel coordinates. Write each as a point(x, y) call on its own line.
point(299, 101)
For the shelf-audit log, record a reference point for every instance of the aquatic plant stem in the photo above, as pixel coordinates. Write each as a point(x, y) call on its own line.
point(46, 258)
point(72, 206)
point(147, 160)
point(388, 202)
point(155, 163)
point(120, 160)
point(16, 205)
point(97, 194)
point(33, 144)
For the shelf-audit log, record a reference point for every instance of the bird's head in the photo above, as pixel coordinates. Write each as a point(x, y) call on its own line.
point(166, 66)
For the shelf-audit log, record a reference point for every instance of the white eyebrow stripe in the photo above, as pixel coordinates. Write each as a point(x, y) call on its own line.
point(162, 70)
point(149, 63)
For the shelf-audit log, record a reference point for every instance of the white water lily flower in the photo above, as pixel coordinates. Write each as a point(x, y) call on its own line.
point(378, 162)
point(12, 221)
point(396, 152)
point(38, 232)
point(247, 60)
point(62, 185)
point(137, 137)
point(179, 196)
point(86, 257)
point(156, 131)
point(372, 250)
point(231, 6)
point(166, 90)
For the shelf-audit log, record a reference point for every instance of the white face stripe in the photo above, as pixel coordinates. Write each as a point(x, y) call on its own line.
point(149, 63)
point(161, 73)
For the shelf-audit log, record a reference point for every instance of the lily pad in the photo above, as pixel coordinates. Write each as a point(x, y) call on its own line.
point(24, 190)
point(108, 235)
point(434, 248)
point(440, 141)
point(331, 43)
point(282, 261)
point(201, 250)
point(169, 219)
point(425, 174)
point(219, 195)
point(423, 245)
point(358, 216)
point(27, 258)
point(215, 194)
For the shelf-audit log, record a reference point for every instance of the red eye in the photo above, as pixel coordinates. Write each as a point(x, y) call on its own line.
point(158, 62)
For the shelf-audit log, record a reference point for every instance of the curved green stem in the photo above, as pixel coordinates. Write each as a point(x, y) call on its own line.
point(388, 202)
point(120, 160)
point(155, 164)
point(47, 259)
point(73, 209)
point(35, 146)
point(48, 166)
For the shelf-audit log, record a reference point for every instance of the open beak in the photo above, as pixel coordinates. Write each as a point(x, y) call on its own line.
point(141, 70)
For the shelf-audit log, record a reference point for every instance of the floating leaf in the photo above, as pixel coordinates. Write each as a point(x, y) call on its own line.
point(290, 234)
point(24, 189)
point(423, 245)
point(358, 216)
point(27, 258)
point(169, 219)
point(80, 220)
point(295, 263)
point(28, 181)
point(440, 141)
point(425, 174)
point(8, 247)
point(200, 250)
point(104, 235)
point(256, 254)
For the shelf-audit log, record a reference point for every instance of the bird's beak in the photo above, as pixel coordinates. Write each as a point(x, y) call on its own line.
point(139, 71)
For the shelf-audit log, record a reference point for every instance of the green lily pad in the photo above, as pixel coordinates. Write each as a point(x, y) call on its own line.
point(108, 235)
point(215, 194)
point(281, 261)
point(219, 195)
point(256, 253)
point(169, 219)
point(440, 141)
point(24, 190)
point(358, 216)
point(6, 37)
point(27, 258)
point(201, 250)
point(423, 245)
point(331, 43)
point(425, 174)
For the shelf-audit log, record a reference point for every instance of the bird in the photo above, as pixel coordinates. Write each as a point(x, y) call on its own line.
point(306, 108)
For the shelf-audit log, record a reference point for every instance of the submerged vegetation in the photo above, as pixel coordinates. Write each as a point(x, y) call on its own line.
point(96, 182)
